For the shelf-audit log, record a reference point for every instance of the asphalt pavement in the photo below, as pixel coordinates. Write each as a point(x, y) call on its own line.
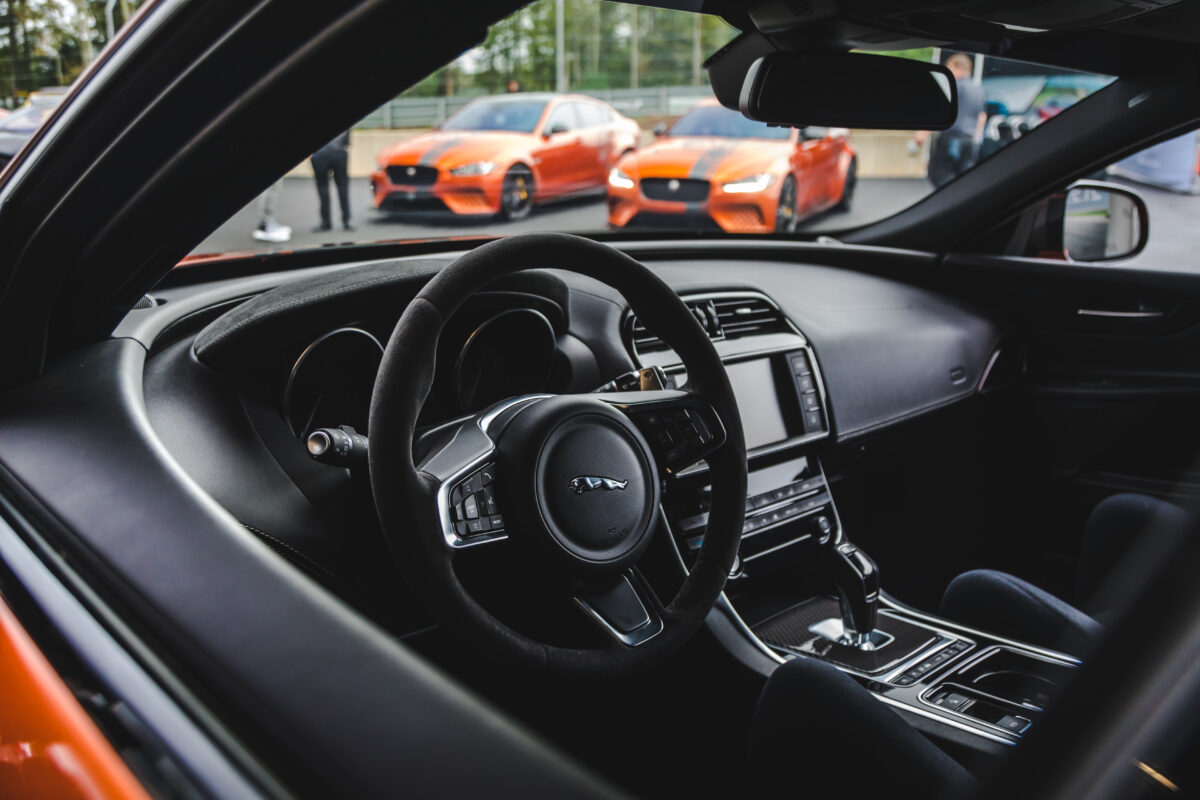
point(1171, 246)
point(297, 208)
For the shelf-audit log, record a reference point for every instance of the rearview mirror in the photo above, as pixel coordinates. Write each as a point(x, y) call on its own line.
point(1103, 222)
point(555, 127)
point(849, 90)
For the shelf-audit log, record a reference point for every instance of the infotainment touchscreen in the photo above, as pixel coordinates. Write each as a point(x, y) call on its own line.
point(758, 403)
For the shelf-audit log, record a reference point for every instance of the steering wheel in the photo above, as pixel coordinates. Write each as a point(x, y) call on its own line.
point(572, 480)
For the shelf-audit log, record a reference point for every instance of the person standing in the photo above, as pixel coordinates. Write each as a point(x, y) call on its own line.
point(954, 151)
point(269, 229)
point(333, 159)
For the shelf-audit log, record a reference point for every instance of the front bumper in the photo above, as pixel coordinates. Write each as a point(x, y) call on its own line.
point(742, 212)
point(477, 195)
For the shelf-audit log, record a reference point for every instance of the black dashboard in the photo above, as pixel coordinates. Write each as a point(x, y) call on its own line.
point(822, 357)
point(242, 369)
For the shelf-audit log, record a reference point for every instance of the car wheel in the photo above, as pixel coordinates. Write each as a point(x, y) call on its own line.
point(785, 212)
point(848, 186)
point(516, 194)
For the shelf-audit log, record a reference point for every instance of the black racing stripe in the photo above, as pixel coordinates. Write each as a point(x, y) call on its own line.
point(430, 157)
point(707, 163)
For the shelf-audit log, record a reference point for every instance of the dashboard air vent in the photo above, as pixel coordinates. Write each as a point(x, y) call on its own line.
point(746, 316)
point(722, 316)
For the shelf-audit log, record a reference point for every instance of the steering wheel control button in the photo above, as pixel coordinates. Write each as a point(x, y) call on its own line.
point(475, 511)
point(680, 436)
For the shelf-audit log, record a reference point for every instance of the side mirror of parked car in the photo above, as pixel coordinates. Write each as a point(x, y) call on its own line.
point(659, 129)
point(553, 128)
point(1089, 222)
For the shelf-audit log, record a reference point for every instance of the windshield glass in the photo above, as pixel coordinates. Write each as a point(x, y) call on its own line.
point(27, 120)
point(724, 122)
point(516, 115)
point(616, 129)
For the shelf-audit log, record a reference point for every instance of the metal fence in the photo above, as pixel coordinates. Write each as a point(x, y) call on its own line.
point(423, 112)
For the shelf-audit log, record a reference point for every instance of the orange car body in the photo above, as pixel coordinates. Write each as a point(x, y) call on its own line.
point(707, 178)
point(567, 147)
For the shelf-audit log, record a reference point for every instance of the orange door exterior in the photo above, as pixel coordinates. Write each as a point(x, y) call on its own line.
point(820, 171)
point(557, 157)
point(49, 746)
point(596, 131)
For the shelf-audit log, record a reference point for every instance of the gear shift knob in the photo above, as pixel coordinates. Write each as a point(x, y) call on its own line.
point(857, 581)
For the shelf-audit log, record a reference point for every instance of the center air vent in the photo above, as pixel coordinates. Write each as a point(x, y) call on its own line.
point(725, 316)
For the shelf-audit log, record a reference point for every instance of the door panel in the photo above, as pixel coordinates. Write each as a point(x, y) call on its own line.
point(1109, 402)
point(556, 160)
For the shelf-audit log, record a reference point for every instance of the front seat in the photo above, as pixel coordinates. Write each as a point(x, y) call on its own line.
point(818, 731)
point(1124, 534)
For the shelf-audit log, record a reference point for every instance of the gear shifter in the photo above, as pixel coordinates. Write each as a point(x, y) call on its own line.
point(857, 581)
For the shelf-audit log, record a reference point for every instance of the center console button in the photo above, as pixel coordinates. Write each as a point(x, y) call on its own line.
point(950, 700)
point(1011, 722)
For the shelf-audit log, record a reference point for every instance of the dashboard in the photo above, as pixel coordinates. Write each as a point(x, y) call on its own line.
point(818, 355)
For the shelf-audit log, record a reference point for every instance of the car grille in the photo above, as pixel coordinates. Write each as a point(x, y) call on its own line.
point(412, 176)
point(685, 190)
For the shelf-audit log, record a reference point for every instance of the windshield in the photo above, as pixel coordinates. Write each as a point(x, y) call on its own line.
point(27, 120)
point(726, 123)
point(518, 116)
point(629, 138)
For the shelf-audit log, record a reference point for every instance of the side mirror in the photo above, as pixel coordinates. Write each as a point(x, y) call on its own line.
point(659, 129)
point(553, 128)
point(810, 132)
point(1091, 221)
point(1103, 222)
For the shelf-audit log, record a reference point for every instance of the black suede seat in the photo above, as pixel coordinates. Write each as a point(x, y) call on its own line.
point(818, 733)
point(1124, 534)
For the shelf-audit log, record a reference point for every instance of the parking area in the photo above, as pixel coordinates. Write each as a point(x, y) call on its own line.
point(1170, 247)
point(297, 208)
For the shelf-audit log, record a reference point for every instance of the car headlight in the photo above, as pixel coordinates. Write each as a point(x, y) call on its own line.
point(475, 168)
point(619, 179)
point(755, 183)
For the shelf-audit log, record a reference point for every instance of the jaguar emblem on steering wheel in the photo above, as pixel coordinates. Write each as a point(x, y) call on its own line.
point(587, 483)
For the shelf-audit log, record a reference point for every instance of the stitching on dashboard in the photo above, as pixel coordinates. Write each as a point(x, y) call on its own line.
point(299, 554)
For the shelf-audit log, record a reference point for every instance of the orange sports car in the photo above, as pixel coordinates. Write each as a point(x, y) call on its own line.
point(501, 155)
point(715, 165)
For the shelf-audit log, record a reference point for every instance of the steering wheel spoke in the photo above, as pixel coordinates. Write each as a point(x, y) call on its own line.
point(680, 426)
point(624, 607)
point(460, 457)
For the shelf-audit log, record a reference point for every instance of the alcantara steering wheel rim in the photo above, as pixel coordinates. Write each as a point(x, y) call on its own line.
point(411, 498)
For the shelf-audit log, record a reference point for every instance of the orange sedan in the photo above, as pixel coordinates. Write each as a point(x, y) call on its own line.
point(715, 165)
point(501, 155)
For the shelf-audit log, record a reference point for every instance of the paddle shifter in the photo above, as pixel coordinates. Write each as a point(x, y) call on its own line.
point(857, 581)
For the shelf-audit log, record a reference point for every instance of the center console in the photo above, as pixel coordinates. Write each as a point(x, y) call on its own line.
point(800, 588)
